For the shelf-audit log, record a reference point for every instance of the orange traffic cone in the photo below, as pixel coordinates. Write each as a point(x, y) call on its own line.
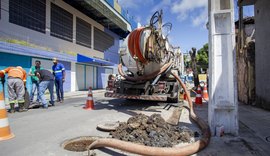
point(205, 93)
point(89, 102)
point(5, 132)
point(199, 90)
point(185, 96)
point(198, 99)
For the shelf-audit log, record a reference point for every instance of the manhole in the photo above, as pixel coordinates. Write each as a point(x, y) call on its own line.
point(107, 126)
point(79, 144)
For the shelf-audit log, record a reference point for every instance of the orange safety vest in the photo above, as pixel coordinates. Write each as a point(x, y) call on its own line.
point(15, 72)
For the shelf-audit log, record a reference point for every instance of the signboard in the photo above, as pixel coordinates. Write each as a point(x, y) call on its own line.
point(202, 78)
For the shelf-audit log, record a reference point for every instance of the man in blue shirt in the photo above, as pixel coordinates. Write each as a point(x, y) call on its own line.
point(59, 76)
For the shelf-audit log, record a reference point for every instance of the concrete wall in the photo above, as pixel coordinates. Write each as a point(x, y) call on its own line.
point(111, 54)
point(10, 30)
point(223, 104)
point(13, 31)
point(8, 60)
point(262, 53)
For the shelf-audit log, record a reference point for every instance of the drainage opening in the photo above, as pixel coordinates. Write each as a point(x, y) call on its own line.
point(267, 139)
point(79, 144)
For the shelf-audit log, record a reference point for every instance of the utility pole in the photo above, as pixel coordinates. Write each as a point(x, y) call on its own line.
point(223, 104)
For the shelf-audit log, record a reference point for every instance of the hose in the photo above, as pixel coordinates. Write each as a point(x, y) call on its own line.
point(157, 151)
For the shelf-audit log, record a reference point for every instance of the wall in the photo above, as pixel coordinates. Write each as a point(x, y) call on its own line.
point(47, 64)
point(8, 60)
point(111, 54)
point(102, 76)
point(10, 30)
point(262, 53)
point(245, 68)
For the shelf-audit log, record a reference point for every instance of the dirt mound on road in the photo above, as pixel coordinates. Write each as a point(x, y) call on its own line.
point(152, 131)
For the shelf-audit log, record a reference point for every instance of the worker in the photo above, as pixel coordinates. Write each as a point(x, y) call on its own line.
point(59, 75)
point(16, 86)
point(46, 81)
point(35, 81)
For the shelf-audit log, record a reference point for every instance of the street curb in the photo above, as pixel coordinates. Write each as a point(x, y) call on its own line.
point(83, 93)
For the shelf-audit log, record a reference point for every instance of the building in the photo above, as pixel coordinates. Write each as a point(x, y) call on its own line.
point(262, 48)
point(84, 35)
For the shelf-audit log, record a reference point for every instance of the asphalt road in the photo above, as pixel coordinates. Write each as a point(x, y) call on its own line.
point(40, 132)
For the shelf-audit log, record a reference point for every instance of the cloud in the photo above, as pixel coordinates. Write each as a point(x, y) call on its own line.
point(201, 19)
point(134, 4)
point(196, 10)
point(164, 4)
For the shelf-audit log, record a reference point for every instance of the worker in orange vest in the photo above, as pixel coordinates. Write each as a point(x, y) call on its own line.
point(16, 86)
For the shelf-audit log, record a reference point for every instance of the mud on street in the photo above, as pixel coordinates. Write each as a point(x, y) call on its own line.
point(152, 131)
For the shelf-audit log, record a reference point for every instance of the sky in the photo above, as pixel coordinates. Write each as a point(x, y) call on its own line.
point(188, 18)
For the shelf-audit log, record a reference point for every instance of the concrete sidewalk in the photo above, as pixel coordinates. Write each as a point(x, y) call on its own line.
point(253, 138)
point(81, 93)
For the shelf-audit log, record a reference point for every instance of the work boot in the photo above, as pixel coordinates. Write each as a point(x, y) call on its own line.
point(12, 108)
point(21, 107)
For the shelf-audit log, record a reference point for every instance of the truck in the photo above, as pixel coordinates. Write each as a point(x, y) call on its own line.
point(147, 60)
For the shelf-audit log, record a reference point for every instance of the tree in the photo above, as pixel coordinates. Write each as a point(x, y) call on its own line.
point(202, 57)
point(192, 54)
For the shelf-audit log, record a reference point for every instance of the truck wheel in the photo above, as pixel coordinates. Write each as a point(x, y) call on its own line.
point(174, 99)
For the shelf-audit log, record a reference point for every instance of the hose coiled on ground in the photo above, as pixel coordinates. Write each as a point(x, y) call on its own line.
point(157, 151)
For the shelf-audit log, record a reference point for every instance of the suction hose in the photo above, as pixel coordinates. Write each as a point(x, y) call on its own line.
point(158, 151)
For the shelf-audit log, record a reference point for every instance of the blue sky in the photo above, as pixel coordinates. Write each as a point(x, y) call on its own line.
point(188, 18)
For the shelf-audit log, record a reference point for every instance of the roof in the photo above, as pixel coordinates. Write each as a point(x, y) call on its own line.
point(103, 14)
point(246, 2)
point(246, 21)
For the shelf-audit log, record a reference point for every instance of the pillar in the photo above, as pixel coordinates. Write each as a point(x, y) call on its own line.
point(223, 105)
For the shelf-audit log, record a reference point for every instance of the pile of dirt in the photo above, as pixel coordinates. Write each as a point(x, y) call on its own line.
point(152, 131)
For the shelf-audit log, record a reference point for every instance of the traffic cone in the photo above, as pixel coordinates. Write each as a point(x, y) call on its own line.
point(199, 90)
point(185, 96)
point(5, 132)
point(198, 99)
point(89, 102)
point(205, 93)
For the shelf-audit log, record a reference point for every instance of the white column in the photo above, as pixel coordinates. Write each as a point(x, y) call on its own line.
point(223, 104)
point(73, 77)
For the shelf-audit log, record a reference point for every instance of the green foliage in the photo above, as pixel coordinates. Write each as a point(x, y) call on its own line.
point(202, 56)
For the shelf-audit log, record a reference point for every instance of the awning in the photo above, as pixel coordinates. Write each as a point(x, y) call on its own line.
point(96, 61)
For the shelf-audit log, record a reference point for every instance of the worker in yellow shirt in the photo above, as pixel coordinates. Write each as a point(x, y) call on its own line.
point(16, 86)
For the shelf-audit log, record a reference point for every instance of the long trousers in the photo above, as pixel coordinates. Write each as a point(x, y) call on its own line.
point(59, 89)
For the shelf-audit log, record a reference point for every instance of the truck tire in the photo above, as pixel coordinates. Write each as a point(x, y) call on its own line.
point(174, 99)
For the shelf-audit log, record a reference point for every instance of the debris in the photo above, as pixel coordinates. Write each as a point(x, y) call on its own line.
point(152, 131)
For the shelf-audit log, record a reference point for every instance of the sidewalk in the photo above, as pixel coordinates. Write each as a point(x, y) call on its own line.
point(253, 138)
point(68, 95)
